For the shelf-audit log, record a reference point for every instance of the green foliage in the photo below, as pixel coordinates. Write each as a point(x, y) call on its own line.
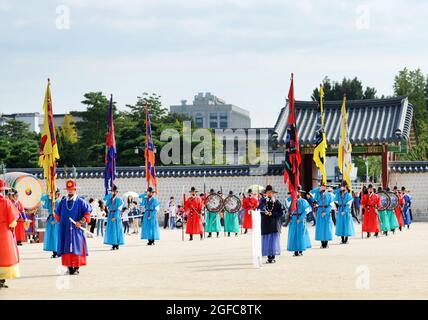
point(353, 89)
point(19, 147)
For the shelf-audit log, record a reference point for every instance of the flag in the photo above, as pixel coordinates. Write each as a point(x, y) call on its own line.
point(150, 154)
point(110, 153)
point(292, 150)
point(345, 147)
point(48, 153)
point(320, 141)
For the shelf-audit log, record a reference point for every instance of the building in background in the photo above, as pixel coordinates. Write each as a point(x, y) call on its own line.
point(209, 111)
point(34, 120)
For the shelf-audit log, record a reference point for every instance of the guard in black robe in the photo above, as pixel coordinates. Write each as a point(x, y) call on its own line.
point(271, 211)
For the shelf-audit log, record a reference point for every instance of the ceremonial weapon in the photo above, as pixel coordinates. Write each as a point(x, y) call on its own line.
point(81, 228)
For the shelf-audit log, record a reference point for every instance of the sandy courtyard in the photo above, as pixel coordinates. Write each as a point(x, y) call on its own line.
point(393, 267)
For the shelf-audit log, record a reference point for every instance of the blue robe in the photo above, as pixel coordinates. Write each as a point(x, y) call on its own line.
point(50, 242)
point(298, 235)
point(114, 230)
point(71, 239)
point(344, 223)
point(324, 225)
point(406, 210)
point(150, 227)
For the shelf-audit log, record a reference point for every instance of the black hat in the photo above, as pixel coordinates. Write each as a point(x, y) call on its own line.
point(57, 191)
point(250, 191)
point(212, 191)
point(370, 186)
point(395, 188)
point(230, 192)
point(193, 189)
point(403, 189)
point(269, 188)
point(149, 189)
point(114, 188)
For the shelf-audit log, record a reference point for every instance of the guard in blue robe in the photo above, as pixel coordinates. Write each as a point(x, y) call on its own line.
point(406, 208)
point(150, 225)
point(344, 223)
point(72, 247)
point(298, 236)
point(324, 226)
point(114, 235)
point(50, 242)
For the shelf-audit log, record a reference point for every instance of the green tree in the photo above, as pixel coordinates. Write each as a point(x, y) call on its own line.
point(92, 129)
point(353, 88)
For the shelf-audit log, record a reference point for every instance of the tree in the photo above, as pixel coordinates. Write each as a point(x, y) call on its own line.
point(68, 129)
point(92, 129)
point(353, 89)
point(413, 84)
point(19, 146)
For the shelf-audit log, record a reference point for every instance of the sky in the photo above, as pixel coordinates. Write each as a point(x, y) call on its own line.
point(242, 51)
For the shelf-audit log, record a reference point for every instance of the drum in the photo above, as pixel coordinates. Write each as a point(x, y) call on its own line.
point(384, 200)
point(214, 202)
point(394, 201)
point(29, 188)
point(232, 203)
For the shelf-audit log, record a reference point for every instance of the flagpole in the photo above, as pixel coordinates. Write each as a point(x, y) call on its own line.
point(146, 156)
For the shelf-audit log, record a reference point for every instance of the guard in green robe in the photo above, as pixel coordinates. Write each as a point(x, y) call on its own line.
point(231, 221)
point(383, 219)
point(212, 223)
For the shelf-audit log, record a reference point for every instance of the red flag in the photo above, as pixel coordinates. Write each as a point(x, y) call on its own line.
point(150, 154)
point(292, 150)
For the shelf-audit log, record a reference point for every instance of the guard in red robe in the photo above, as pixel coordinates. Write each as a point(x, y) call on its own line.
point(193, 210)
point(21, 218)
point(371, 202)
point(399, 210)
point(249, 203)
point(9, 256)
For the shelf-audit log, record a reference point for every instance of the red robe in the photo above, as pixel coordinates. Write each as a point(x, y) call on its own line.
point(249, 204)
point(9, 255)
point(193, 209)
point(399, 211)
point(371, 220)
point(20, 230)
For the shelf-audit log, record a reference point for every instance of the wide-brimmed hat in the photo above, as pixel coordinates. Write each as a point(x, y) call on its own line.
point(212, 191)
point(150, 189)
point(114, 188)
point(270, 188)
point(3, 185)
point(193, 189)
point(70, 184)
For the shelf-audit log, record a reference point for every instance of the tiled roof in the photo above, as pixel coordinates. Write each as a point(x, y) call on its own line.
point(371, 121)
point(408, 166)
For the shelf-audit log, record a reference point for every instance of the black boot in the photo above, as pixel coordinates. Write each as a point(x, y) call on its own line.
point(228, 234)
point(400, 228)
point(209, 235)
point(346, 240)
point(76, 271)
point(236, 234)
point(70, 270)
point(191, 237)
point(19, 243)
point(376, 234)
point(368, 234)
point(3, 284)
point(202, 236)
point(296, 253)
point(246, 230)
point(54, 254)
point(300, 253)
point(393, 231)
point(218, 234)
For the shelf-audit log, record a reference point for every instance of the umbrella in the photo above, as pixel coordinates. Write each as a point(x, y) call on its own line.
point(133, 194)
point(255, 188)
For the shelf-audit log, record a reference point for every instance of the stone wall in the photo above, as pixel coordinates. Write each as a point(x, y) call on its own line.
point(417, 183)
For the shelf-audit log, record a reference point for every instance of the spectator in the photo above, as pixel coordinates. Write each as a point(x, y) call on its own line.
point(135, 213)
point(102, 213)
point(172, 212)
point(125, 220)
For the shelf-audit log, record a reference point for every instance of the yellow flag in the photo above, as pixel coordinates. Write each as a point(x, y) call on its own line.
point(48, 147)
point(320, 150)
point(345, 147)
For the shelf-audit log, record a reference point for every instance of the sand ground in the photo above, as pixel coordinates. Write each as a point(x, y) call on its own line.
point(393, 267)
